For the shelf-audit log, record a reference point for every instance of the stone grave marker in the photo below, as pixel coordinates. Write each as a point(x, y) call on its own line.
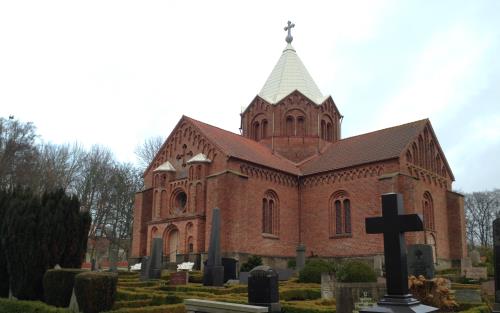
point(496, 263)
point(465, 263)
point(468, 295)
point(145, 268)
point(230, 268)
point(263, 288)
point(420, 261)
point(327, 286)
point(393, 224)
point(213, 272)
point(364, 302)
point(92, 265)
point(178, 278)
point(475, 257)
point(378, 265)
point(300, 260)
point(156, 259)
point(244, 278)
point(475, 273)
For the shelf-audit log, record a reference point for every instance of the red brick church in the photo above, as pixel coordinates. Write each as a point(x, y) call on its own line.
point(290, 178)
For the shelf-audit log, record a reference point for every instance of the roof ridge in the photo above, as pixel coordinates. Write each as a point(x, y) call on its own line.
point(387, 128)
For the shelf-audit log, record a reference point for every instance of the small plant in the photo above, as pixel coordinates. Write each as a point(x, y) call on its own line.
point(292, 263)
point(311, 273)
point(253, 261)
point(355, 272)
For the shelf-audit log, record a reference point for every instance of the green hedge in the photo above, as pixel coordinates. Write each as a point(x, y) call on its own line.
point(196, 277)
point(171, 308)
point(287, 308)
point(355, 272)
point(58, 286)
point(19, 306)
point(311, 273)
point(477, 309)
point(300, 294)
point(95, 292)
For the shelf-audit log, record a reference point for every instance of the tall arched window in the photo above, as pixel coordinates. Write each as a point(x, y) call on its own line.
point(329, 132)
point(270, 213)
point(301, 126)
point(421, 159)
point(256, 131)
point(290, 126)
point(264, 129)
point(340, 214)
point(428, 211)
point(323, 130)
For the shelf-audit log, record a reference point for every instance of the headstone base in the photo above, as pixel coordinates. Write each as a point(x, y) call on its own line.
point(399, 304)
point(495, 308)
point(273, 307)
point(213, 276)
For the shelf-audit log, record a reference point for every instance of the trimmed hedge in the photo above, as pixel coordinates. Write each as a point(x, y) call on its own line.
point(19, 306)
point(311, 273)
point(196, 277)
point(300, 294)
point(169, 308)
point(58, 286)
point(95, 292)
point(355, 272)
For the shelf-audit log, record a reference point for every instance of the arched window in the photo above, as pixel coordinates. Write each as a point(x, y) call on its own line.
point(428, 211)
point(290, 126)
point(256, 131)
point(264, 129)
point(421, 159)
point(340, 214)
point(323, 130)
point(270, 213)
point(415, 153)
point(329, 132)
point(163, 203)
point(301, 126)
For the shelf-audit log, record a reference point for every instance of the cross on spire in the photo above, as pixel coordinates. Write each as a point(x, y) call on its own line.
point(393, 224)
point(288, 28)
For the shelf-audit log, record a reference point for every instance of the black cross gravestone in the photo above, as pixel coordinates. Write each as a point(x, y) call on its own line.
point(496, 263)
point(393, 224)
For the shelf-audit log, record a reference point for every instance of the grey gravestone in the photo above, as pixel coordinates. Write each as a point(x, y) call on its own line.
point(92, 265)
point(327, 286)
point(230, 268)
point(263, 288)
point(420, 261)
point(284, 274)
point(468, 295)
point(393, 224)
point(466, 263)
point(496, 263)
point(113, 257)
point(244, 278)
point(300, 260)
point(475, 257)
point(145, 268)
point(156, 259)
point(213, 273)
point(378, 264)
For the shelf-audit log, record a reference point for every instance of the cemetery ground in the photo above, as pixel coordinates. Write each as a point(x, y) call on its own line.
point(158, 296)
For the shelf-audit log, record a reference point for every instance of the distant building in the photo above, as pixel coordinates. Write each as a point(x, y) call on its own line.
point(291, 178)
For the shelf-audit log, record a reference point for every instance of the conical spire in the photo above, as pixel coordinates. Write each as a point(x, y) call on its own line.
point(288, 75)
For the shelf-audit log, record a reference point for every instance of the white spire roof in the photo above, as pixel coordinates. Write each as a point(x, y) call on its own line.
point(288, 75)
point(199, 158)
point(167, 167)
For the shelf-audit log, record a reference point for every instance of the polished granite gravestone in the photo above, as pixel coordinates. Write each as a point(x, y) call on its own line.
point(178, 278)
point(300, 259)
point(213, 272)
point(496, 263)
point(263, 288)
point(230, 268)
point(420, 261)
point(393, 224)
point(156, 259)
point(145, 268)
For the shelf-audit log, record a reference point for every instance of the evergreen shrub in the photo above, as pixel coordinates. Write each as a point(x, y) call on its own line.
point(95, 292)
point(58, 286)
point(167, 308)
point(311, 273)
point(355, 272)
point(292, 263)
point(19, 306)
point(253, 261)
point(300, 294)
point(196, 277)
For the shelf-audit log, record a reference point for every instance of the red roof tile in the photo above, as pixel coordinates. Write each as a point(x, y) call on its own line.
point(240, 147)
point(379, 145)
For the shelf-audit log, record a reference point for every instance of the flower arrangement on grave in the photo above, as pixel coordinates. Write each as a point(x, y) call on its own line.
point(432, 292)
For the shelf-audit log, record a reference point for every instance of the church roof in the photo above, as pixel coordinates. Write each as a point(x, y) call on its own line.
point(376, 146)
point(288, 75)
point(242, 148)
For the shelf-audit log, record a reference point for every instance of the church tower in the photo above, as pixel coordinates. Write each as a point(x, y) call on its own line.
point(290, 114)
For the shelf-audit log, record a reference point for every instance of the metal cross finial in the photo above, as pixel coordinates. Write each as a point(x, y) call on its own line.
point(289, 27)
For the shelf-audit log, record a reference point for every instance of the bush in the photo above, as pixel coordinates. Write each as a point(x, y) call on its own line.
point(253, 261)
point(292, 263)
point(170, 308)
point(196, 277)
point(355, 272)
point(311, 273)
point(95, 292)
point(300, 294)
point(17, 306)
point(58, 286)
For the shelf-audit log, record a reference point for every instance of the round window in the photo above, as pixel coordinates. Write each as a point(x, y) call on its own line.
point(180, 201)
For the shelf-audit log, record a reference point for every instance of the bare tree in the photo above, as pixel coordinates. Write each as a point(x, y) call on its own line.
point(480, 210)
point(147, 151)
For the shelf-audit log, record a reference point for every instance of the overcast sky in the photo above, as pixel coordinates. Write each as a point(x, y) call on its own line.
point(117, 72)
